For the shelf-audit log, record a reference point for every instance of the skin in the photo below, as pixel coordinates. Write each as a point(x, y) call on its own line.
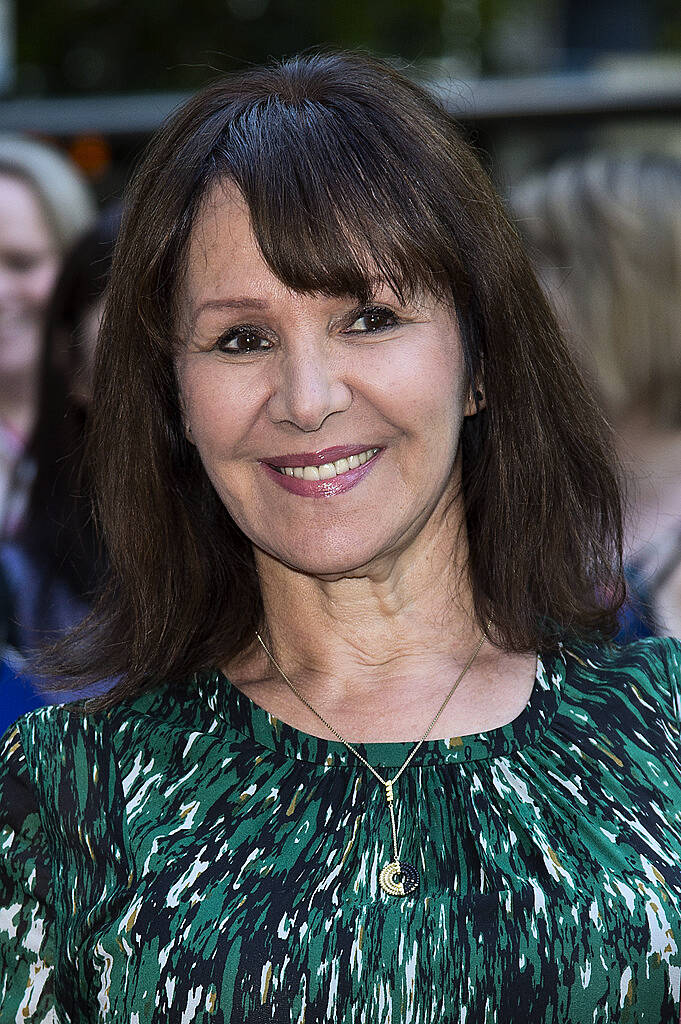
point(29, 262)
point(366, 596)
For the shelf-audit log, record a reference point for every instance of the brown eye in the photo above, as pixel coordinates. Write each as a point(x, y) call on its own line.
point(373, 319)
point(243, 340)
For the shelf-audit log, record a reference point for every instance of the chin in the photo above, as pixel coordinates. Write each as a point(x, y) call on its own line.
point(322, 563)
point(329, 569)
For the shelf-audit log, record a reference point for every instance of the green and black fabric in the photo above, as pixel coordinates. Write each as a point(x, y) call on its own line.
point(188, 857)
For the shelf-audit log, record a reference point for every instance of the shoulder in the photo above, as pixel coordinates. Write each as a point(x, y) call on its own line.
point(57, 726)
point(75, 739)
point(62, 765)
point(16, 796)
point(633, 689)
point(41, 757)
point(653, 664)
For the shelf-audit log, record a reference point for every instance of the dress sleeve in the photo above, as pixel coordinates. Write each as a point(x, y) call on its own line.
point(26, 917)
point(674, 667)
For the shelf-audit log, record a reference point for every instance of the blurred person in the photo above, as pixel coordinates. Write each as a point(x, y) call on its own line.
point(53, 565)
point(44, 205)
point(605, 232)
point(17, 692)
point(370, 755)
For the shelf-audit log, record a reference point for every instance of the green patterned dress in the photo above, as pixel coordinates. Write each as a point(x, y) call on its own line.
point(188, 857)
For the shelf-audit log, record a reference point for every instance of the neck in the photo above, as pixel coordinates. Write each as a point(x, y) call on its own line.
point(376, 651)
point(387, 622)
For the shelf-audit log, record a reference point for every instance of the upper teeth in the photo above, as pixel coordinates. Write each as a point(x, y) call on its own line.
point(329, 469)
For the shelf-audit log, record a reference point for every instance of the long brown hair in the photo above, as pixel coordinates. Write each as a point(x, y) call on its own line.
point(348, 169)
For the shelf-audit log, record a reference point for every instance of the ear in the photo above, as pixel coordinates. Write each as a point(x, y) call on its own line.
point(476, 400)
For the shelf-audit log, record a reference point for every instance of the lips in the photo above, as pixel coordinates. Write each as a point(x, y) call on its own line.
point(333, 471)
point(319, 458)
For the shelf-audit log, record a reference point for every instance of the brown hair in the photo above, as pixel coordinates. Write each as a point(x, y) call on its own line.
point(347, 169)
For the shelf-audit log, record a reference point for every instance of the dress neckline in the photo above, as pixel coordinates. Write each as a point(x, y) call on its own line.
point(243, 715)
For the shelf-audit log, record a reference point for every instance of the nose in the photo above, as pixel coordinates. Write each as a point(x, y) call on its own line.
point(308, 389)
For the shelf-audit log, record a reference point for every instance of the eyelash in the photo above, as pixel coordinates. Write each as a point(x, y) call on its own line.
point(384, 311)
point(243, 330)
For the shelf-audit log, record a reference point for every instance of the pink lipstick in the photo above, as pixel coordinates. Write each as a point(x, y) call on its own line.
point(319, 458)
point(340, 468)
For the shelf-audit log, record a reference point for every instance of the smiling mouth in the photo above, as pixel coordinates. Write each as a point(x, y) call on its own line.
point(328, 470)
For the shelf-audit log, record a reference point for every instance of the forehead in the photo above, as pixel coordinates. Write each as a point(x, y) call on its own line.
point(22, 219)
point(222, 247)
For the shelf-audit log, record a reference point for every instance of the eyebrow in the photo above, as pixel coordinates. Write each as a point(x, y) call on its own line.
point(241, 303)
point(245, 302)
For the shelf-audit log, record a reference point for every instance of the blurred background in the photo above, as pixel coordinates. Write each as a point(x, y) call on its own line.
point(574, 107)
point(530, 79)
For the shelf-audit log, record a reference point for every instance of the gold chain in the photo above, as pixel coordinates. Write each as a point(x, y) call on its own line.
point(388, 784)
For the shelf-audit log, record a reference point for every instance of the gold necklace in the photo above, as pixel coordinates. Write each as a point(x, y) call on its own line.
point(398, 878)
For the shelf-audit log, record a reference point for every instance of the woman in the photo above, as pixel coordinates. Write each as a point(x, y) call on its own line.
point(347, 475)
point(53, 565)
point(605, 231)
point(44, 205)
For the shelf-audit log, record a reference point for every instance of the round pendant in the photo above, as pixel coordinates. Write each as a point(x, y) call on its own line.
point(399, 878)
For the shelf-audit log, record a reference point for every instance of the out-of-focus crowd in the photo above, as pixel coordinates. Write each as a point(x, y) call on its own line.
point(55, 257)
point(605, 236)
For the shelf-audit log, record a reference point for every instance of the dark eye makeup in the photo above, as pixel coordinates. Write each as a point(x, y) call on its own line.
point(373, 318)
point(246, 339)
point(243, 339)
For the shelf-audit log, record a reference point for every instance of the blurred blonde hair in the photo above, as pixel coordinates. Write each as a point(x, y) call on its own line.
point(63, 193)
point(605, 234)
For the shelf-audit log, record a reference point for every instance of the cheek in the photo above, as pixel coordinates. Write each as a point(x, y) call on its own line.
point(422, 393)
point(37, 286)
point(218, 411)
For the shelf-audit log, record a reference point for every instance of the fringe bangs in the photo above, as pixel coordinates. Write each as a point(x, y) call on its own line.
point(332, 208)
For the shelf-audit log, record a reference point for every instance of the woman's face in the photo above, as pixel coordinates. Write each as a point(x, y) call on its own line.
point(29, 262)
point(329, 431)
